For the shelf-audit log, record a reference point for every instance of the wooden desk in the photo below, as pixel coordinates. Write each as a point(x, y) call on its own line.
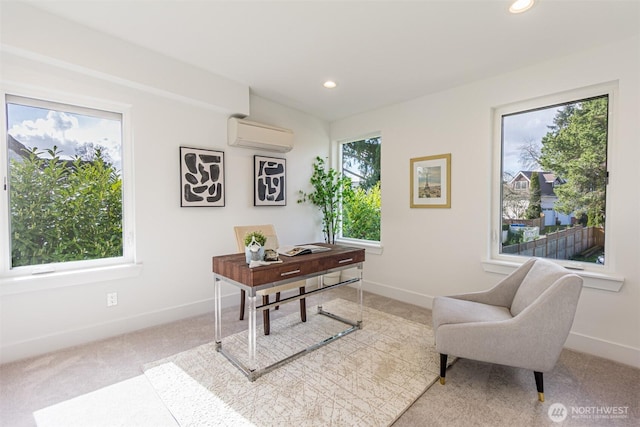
point(233, 269)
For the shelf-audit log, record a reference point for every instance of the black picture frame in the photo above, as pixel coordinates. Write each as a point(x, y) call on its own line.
point(269, 184)
point(202, 174)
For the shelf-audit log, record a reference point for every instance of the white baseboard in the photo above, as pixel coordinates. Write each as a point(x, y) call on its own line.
point(602, 348)
point(397, 294)
point(98, 331)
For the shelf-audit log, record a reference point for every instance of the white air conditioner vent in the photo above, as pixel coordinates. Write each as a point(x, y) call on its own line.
point(248, 134)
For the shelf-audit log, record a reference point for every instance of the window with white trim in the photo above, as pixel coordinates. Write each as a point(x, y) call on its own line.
point(553, 176)
point(360, 161)
point(66, 194)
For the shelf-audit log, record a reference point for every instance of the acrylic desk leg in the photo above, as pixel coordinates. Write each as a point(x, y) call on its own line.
point(217, 317)
point(252, 332)
point(360, 297)
point(320, 286)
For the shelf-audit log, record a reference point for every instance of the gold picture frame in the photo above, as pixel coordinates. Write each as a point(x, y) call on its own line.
point(431, 181)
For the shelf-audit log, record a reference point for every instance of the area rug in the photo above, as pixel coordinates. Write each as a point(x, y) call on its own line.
point(367, 378)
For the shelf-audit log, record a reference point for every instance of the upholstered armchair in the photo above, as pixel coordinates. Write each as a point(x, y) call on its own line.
point(269, 232)
point(522, 322)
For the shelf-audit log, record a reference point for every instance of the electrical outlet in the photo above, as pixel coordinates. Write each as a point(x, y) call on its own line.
point(112, 299)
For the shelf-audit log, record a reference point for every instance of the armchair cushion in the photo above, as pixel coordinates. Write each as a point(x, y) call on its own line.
point(538, 279)
point(452, 311)
point(501, 294)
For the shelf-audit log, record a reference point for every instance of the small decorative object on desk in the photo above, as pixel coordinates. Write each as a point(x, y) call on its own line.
point(254, 246)
point(271, 255)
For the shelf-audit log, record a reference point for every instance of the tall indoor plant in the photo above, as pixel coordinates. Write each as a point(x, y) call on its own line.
point(330, 189)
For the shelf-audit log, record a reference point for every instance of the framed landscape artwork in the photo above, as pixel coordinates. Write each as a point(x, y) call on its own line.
point(431, 181)
point(201, 177)
point(269, 188)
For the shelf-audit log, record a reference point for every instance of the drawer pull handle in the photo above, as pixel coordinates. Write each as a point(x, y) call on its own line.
point(290, 272)
point(345, 260)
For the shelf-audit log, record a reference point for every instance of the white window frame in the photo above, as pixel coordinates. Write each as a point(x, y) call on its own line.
point(38, 277)
point(371, 246)
point(596, 276)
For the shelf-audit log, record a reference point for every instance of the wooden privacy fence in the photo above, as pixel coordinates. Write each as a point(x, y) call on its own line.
point(562, 244)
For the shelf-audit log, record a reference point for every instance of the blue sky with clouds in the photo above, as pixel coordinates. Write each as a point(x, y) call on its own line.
point(520, 129)
point(44, 129)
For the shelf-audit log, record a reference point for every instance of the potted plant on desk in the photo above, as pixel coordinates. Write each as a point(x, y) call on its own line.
point(330, 190)
point(254, 242)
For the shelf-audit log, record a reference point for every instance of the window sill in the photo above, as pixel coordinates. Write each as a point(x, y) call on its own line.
point(60, 279)
point(369, 246)
point(592, 279)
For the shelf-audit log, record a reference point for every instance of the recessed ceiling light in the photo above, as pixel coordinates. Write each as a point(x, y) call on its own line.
point(330, 84)
point(520, 6)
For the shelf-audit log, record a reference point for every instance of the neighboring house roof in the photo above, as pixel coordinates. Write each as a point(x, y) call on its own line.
point(547, 180)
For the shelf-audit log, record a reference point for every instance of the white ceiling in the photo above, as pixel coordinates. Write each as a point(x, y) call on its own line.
point(379, 52)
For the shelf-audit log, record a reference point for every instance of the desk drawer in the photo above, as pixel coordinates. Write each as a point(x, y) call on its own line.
point(341, 260)
point(282, 272)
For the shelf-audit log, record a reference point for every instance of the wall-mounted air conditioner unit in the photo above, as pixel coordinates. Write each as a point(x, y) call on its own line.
point(248, 134)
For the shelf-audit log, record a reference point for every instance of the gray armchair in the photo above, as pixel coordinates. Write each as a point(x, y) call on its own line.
point(522, 322)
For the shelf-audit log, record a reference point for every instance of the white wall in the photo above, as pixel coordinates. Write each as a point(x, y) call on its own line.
point(453, 242)
point(174, 244)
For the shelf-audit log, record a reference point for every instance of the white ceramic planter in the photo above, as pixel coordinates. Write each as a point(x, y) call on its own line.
point(255, 256)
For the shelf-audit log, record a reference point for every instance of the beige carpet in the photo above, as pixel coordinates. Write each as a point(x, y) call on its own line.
point(367, 378)
point(130, 403)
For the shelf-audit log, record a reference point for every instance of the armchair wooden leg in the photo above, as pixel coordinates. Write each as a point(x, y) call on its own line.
point(243, 297)
point(539, 385)
point(303, 306)
point(277, 299)
point(443, 368)
point(265, 316)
